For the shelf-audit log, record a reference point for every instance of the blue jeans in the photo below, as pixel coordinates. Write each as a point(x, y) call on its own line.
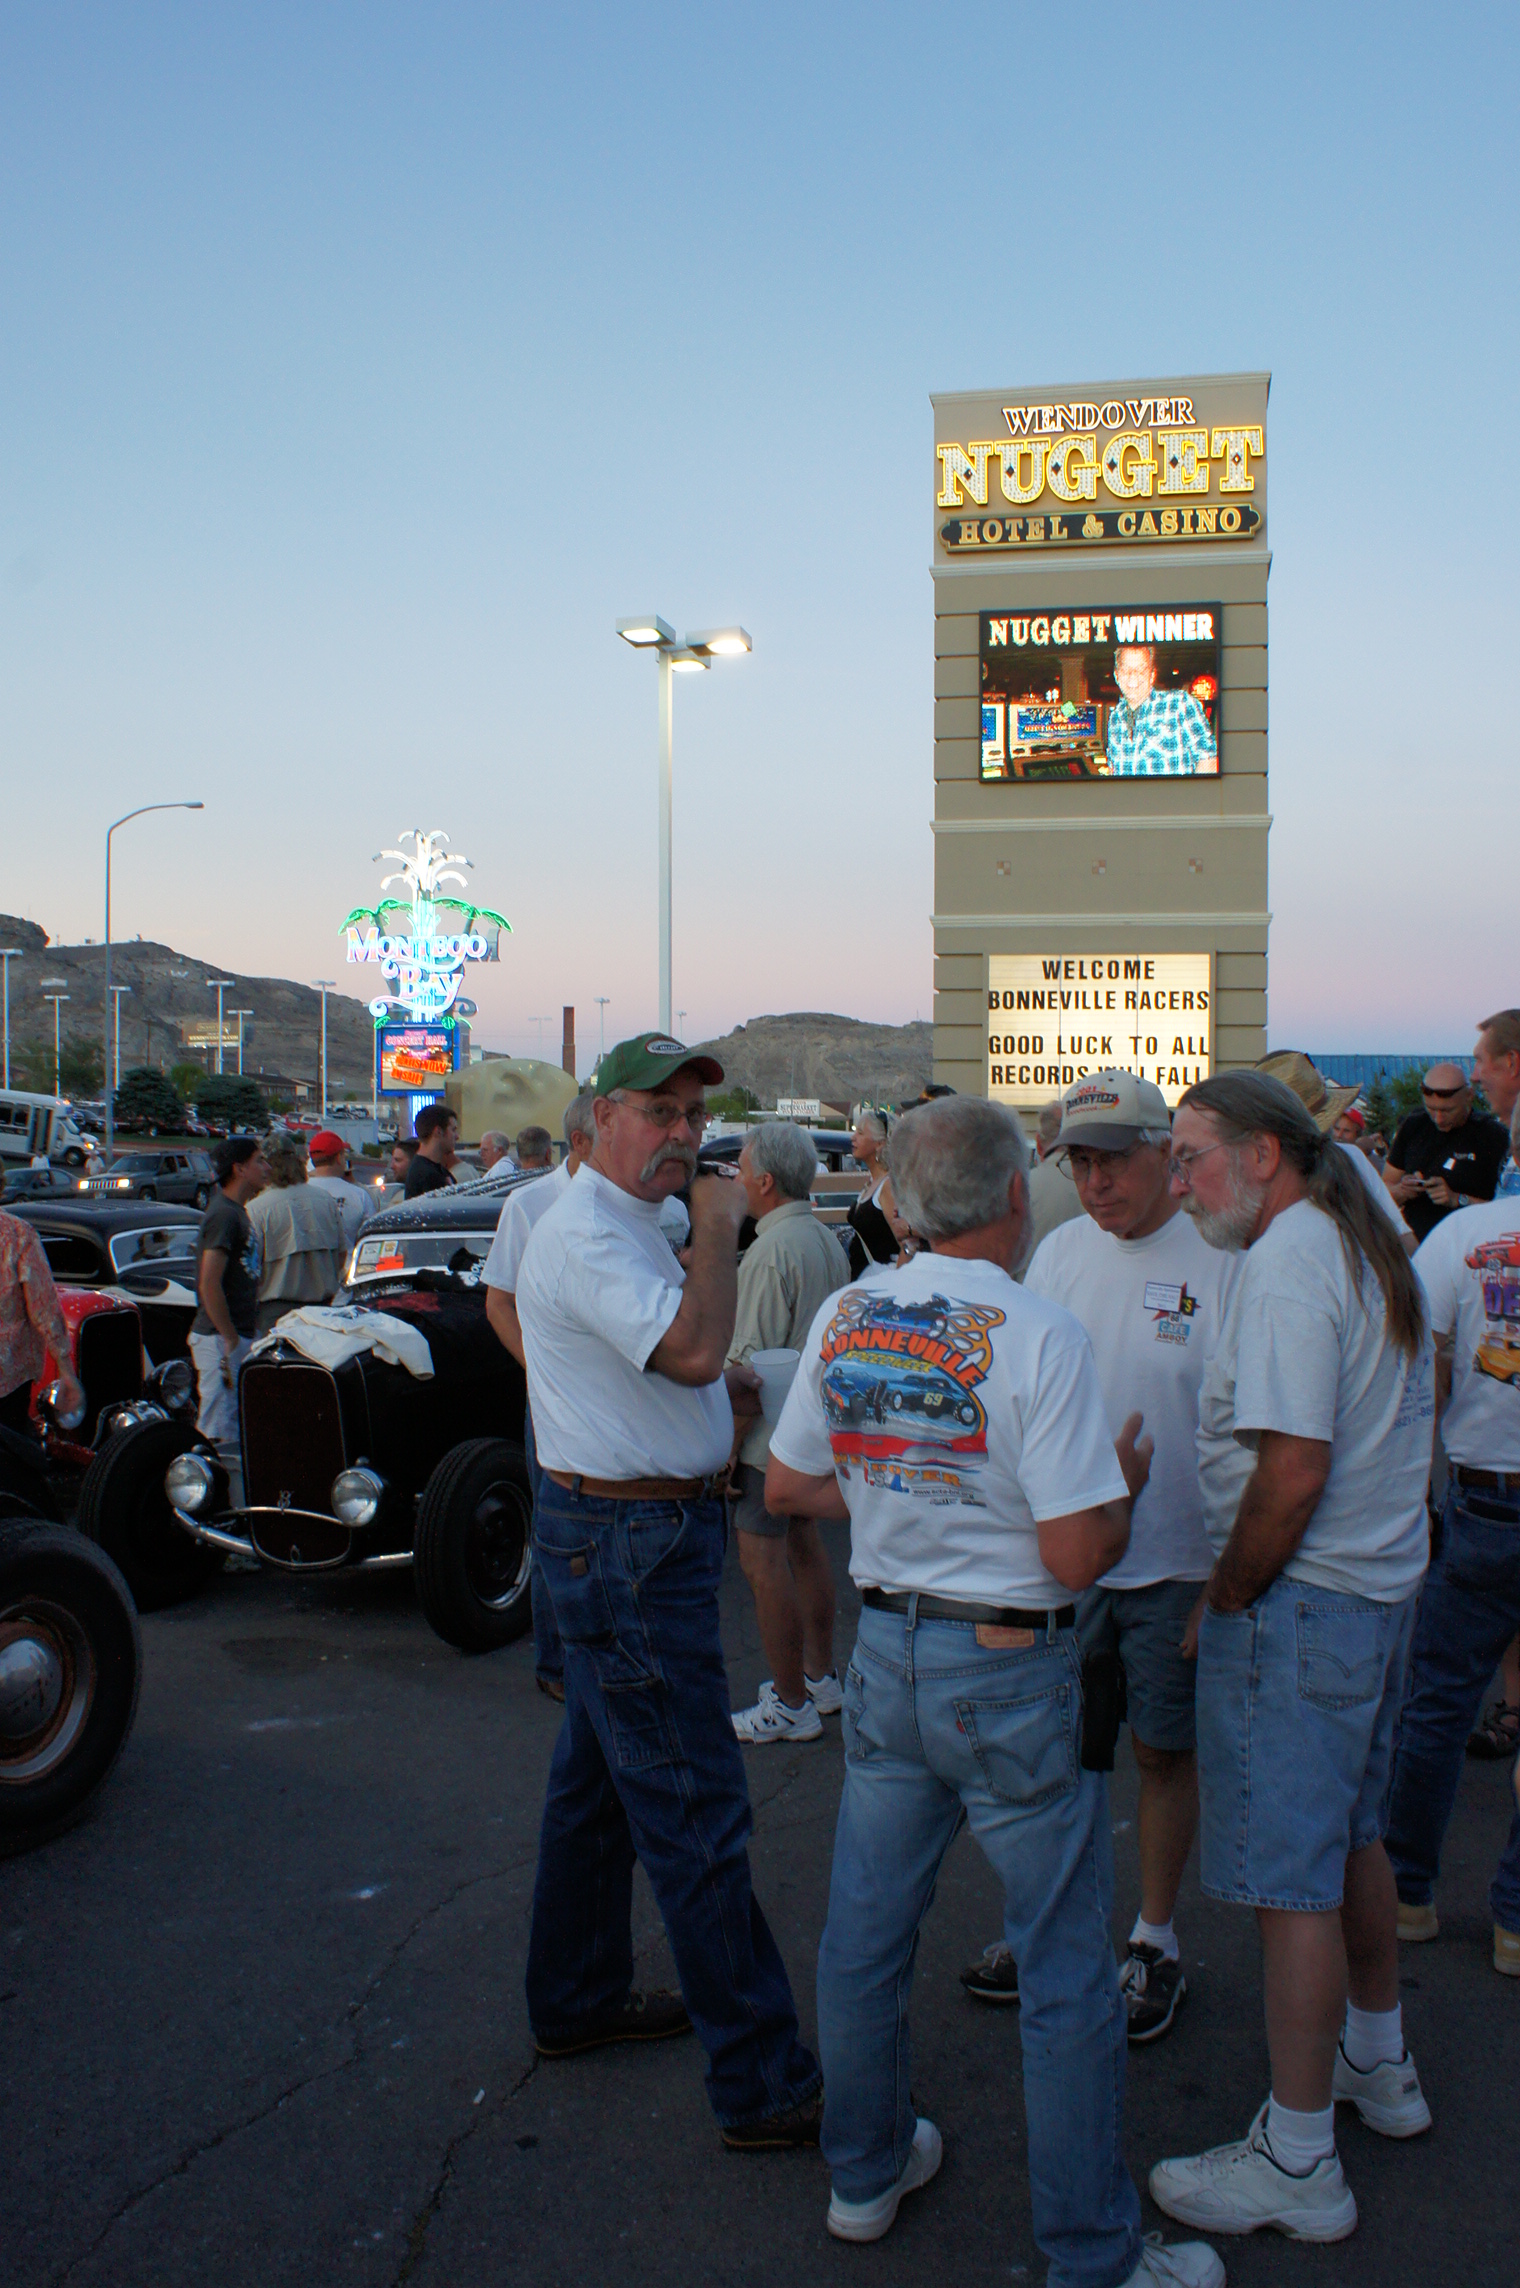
point(938, 1729)
point(1469, 1612)
point(647, 1765)
point(548, 1652)
point(1298, 1702)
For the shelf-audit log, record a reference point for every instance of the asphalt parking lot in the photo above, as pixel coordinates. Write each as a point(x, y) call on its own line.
point(261, 2017)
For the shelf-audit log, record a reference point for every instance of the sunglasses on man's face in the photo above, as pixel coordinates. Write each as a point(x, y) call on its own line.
point(1444, 1095)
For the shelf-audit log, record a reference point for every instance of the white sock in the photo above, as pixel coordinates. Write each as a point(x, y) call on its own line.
point(1159, 1935)
point(1298, 2140)
point(1371, 2036)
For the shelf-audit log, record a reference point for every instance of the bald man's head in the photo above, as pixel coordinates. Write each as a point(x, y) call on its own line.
point(1446, 1095)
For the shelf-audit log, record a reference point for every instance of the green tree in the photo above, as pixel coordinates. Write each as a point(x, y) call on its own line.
point(149, 1098)
point(188, 1079)
point(1391, 1099)
point(734, 1104)
point(81, 1067)
point(231, 1100)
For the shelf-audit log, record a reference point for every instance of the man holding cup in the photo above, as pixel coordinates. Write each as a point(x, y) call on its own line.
point(793, 1267)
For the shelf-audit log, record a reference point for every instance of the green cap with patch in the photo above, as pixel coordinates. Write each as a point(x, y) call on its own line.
point(649, 1060)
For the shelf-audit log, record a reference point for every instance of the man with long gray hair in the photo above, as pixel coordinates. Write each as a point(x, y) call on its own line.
point(792, 1268)
point(959, 1423)
point(1315, 1421)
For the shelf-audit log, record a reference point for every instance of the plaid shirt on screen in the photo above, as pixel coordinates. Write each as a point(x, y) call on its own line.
point(1168, 737)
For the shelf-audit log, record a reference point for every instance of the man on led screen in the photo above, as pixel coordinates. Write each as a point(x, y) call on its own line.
point(1155, 734)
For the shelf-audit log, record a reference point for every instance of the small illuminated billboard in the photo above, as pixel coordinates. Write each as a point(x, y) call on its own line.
point(414, 1059)
point(1121, 692)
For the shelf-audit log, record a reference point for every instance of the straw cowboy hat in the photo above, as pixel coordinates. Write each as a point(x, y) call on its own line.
point(1323, 1103)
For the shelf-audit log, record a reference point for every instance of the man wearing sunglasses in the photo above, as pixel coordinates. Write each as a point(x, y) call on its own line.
point(1444, 1157)
point(633, 1415)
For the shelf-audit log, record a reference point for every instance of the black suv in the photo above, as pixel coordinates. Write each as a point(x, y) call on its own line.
point(183, 1175)
point(360, 1464)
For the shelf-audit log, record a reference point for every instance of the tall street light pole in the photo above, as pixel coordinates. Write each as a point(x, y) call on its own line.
point(116, 992)
point(57, 999)
point(327, 985)
point(113, 1077)
point(602, 1000)
point(240, 1014)
point(8, 954)
point(650, 633)
point(219, 985)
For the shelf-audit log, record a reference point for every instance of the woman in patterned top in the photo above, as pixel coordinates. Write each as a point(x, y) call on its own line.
point(31, 1324)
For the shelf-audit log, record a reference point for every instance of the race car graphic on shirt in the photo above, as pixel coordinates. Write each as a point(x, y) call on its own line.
point(1497, 1263)
point(900, 1380)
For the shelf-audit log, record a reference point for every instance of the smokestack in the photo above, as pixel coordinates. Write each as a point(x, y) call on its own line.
point(567, 1052)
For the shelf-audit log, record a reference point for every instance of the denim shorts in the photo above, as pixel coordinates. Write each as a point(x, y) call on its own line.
point(1144, 1626)
point(1298, 1698)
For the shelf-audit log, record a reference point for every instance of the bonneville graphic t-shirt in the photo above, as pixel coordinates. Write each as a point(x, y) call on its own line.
point(1153, 1309)
point(1470, 1268)
point(957, 1410)
point(598, 1286)
point(1305, 1350)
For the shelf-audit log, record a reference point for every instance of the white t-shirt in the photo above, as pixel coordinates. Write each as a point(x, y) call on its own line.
point(674, 1221)
point(1304, 1353)
point(1379, 1190)
point(597, 1287)
point(354, 1206)
point(956, 1410)
point(523, 1208)
point(1153, 1309)
point(1470, 1266)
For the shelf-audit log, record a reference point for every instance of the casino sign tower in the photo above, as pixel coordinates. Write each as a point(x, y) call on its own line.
point(1100, 568)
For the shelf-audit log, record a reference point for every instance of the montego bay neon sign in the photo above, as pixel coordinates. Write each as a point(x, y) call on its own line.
point(423, 967)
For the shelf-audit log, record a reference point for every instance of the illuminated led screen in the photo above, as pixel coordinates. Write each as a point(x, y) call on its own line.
point(1117, 691)
point(413, 1058)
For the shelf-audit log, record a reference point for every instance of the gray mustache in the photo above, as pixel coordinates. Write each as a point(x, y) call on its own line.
point(681, 1152)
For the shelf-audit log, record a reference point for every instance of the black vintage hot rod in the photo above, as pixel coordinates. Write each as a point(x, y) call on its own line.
point(361, 1464)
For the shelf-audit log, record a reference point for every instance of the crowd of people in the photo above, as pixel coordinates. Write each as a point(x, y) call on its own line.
point(1206, 1421)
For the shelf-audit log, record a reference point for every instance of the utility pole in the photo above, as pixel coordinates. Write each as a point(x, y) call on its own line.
point(113, 1078)
point(240, 1014)
point(219, 985)
point(325, 985)
point(8, 954)
point(602, 1000)
point(57, 999)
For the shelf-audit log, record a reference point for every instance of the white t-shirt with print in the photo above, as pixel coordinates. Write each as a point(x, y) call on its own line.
point(355, 1207)
point(1381, 1196)
point(1305, 1353)
point(520, 1213)
point(1153, 1309)
point(1470, 1267)
point(597, 1287)
point(956, 1410)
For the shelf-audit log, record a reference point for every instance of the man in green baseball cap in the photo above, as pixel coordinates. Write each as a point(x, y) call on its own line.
point(633, 1416)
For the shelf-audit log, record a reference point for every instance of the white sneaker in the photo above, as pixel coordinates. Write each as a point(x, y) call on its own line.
point(868, 2220)
point(1239, 2188)
point(771, 1719)
point(825, 1692)
point(1190, 2263)
point(1388, 2097)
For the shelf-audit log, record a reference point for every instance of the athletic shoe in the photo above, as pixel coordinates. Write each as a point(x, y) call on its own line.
point(995, 1978)
point(825, 1692)
point(1387, 2096)
point(1240, 2188)
point(1190, 2264)
point(1506, 1951)
point(1152, 1985)
point(637, 2018)
point(552, 1687)
point(868, 2220)
point(776, 2132)
point(1417, 1925)
point(771, 1719)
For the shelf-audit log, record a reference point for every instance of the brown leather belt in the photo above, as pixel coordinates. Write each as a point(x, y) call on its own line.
point(1490, 1481)
point(645, 1489)
point(946, 1609)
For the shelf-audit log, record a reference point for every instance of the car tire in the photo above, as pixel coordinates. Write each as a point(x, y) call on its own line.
point(70, 1667)
point(473, 1547)
point(203, 1195)
point(123, 1508)
point(148, 1192)
point(73, 1158)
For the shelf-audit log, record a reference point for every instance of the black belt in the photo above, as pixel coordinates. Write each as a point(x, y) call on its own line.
point(947, 1609)
point(1489, 1481)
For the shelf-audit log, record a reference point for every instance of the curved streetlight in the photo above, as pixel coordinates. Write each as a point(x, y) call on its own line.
point(112, 1076)
point(650, 633)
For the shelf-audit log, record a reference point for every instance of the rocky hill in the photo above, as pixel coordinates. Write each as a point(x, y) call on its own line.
point(169, 1017)
point(840, 1060)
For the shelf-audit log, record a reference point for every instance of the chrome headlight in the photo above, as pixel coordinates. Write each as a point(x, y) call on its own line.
point(356, 1496)
point(173, 1385)
point(188, 1482)
point(129, 1415)
point(50, 1404)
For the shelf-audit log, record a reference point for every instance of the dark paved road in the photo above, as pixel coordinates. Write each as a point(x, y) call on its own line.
point(261, 2019)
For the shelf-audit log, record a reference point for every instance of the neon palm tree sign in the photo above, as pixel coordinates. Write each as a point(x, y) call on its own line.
point(424, 965)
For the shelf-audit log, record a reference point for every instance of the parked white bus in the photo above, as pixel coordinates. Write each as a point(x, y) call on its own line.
point(40, 1127)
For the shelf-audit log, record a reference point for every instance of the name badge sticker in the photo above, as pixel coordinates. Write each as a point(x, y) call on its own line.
point(1162, 1296)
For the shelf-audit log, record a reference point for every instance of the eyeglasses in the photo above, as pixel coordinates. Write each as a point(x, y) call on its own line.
point(1444, 1095)
point(665, 1116)
point(1080, 1163)
point(1180, 1166)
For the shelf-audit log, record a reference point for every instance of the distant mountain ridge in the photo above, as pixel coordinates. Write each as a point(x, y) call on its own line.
point(844, 1061)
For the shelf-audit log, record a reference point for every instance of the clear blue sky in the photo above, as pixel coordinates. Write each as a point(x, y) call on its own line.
point(360, 365)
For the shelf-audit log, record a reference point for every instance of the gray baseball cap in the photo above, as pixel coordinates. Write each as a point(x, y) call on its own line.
point(1107, 1112)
